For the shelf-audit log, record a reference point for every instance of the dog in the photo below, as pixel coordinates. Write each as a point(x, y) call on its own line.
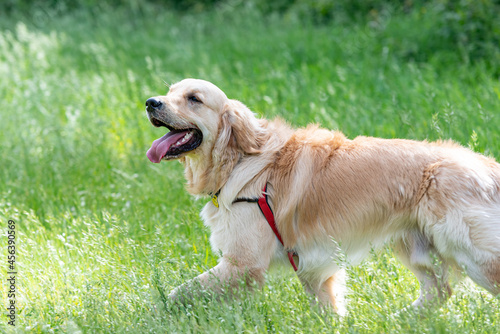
point(308, 197)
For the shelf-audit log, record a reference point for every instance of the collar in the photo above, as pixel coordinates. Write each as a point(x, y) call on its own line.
point(215, 198)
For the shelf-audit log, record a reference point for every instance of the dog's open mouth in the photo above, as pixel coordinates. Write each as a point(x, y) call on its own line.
point(174, 143)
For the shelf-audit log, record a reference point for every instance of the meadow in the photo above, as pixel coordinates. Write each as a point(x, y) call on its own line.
point(103, 235)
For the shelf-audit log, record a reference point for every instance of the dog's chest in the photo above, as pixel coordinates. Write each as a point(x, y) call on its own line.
point(233, 230)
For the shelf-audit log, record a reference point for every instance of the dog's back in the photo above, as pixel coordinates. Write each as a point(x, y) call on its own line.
point(436, 198)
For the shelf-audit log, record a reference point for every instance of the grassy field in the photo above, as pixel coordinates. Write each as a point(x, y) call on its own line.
point(103, 234)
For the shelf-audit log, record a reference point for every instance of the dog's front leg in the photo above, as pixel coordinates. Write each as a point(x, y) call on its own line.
point(223, 279)
point(247, 243)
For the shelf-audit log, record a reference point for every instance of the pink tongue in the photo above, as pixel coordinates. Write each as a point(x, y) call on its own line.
point(160, 146)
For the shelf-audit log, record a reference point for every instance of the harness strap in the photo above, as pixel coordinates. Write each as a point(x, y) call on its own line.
point(245, 199)
point(268, 214)
point(266, 211)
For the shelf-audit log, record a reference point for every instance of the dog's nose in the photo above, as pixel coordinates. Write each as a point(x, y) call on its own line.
point(153, 104)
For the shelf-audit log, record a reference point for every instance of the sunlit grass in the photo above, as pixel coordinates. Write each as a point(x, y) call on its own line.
point(104, 234)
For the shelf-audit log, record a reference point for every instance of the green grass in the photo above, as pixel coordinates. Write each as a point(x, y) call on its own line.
point(103, 234)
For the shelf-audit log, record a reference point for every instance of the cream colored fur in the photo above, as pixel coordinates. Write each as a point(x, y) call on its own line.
point(334, 198)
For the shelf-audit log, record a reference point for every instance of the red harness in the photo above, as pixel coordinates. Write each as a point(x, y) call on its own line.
point(268, 213)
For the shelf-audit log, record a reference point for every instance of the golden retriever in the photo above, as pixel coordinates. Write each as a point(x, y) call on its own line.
point(332, 197)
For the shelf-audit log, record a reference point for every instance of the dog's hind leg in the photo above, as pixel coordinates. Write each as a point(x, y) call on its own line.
point(480, 255)
point(416, 253)
point(492, 273)
point(484, 273)
point(329, 292)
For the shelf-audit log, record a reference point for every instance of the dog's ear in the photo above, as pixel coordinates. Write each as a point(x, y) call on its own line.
point(240, 129)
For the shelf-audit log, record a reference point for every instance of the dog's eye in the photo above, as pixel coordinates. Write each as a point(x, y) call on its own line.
point(193, 98)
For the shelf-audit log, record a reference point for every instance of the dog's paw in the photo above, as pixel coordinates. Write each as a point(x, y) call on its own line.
point(341, 310)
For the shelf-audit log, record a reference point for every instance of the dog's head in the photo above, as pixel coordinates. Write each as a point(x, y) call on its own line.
point(202, 121)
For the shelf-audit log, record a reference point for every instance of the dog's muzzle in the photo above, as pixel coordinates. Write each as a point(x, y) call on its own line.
point(153, 104)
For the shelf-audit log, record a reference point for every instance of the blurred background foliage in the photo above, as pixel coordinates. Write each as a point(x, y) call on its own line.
point(468, 29)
